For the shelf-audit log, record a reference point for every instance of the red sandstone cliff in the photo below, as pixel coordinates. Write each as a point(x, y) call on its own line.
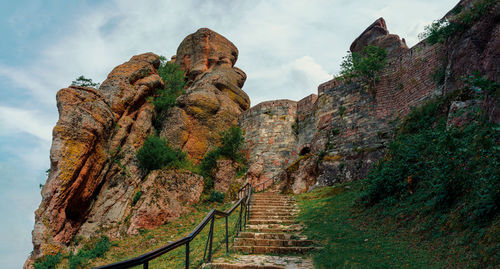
point(94, 170)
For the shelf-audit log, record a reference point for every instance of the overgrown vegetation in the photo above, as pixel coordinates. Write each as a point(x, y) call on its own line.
point(85, 82)
point(48, 261)
point(157, 154)
point(443, 177)
point(365, 65)
point(89, 252)
point(173, 77)
point(463, 18)
point(230, 145)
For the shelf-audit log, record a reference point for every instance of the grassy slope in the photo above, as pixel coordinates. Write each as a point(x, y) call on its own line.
point(353, 238)
point(152, 239)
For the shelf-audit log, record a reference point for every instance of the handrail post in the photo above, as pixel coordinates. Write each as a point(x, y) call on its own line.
point(239, 220)
point(187, 255)
point(227, 239)
point(145, 265)
point(211, 238)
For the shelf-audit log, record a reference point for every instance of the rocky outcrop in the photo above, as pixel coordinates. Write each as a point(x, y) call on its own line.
point(95, 185)
point(213, 100)
point(224, 175)
point(378, 35)
point(95, 128)
point(164, 196)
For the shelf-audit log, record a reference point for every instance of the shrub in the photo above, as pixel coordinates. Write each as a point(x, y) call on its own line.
point(230, 145)
point(85, 82)
point(157, 154)
point(365, 65)
point(48, 261)
point(439, 31)
point(216, 197)
point(173, 77)
point(88, 252)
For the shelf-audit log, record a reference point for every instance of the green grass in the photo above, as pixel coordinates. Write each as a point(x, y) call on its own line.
point(149, 240)
point(354, 237)
point(350, 240)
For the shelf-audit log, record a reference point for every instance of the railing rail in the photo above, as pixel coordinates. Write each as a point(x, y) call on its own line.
point(244, 197)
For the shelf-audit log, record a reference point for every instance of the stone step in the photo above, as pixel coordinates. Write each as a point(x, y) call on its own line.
point(265, 216)
point(240, 266)
point(282, 236)
point(272, 242)
point(272, 207)
point(260, 262)
point(272, 250)
point(274, 228)
point(273, 204)
point(271, 221)
point(270, 211)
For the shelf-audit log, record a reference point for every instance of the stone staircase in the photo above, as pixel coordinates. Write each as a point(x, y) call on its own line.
point(272, 237)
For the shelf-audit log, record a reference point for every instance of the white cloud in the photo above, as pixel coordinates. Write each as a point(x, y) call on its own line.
point(15, 120)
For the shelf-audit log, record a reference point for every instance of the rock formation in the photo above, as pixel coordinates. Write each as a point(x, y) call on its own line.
point(378, 35)
point(95, 174)
point(213, 99)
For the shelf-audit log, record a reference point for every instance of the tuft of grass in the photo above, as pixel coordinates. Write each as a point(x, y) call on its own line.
point(89, 252)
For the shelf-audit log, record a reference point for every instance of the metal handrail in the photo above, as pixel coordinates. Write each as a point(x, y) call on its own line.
point(244, 202)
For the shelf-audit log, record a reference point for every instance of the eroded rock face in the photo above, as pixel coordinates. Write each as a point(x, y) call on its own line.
point(224, 176)
point(165, 195)
point(97, 129)
point(378, 35)
point(213, 99)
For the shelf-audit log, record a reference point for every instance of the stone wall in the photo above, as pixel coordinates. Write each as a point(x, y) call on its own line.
point(269, 138)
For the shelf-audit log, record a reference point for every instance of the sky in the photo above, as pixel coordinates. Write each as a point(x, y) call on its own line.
point(287, 48)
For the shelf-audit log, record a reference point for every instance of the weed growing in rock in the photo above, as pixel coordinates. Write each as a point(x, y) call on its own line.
point(157, 154)
point(365, 65)
point(136, 197)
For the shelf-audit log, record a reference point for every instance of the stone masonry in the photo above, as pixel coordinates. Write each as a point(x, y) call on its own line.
point(270, 143)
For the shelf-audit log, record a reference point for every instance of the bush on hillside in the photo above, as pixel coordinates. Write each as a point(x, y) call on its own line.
point(157, 154)
point(48, 261)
